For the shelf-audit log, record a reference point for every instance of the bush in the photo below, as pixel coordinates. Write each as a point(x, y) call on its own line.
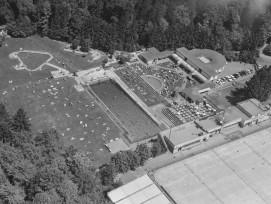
point(144, 153)
point(267, 50)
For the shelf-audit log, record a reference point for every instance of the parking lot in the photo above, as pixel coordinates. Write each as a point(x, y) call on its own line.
point(235, 72)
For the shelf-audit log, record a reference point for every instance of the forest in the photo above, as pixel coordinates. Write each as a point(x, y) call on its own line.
point(232, 27)
point(40, 169)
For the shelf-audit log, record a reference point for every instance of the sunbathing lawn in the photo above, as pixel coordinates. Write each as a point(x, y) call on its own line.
point(57, 104)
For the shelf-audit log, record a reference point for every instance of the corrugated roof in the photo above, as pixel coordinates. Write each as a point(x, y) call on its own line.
point(160, 199)
point(139, 191)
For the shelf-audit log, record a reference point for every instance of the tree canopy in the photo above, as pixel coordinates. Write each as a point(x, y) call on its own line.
point(39, 169)
point(225, 26)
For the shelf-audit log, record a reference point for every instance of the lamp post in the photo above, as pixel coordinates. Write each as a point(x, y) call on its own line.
point(170, 132)
point(222, 120)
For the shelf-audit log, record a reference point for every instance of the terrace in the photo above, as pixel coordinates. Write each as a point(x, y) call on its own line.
point(141, 88)
point(170, 78)
point(187, 112)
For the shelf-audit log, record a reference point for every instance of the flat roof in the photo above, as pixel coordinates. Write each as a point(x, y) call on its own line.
point(193, 93)
point(208, 124)
point(253, 106)
point(183, 133)
point(153, 54)
point(235, 173)
point(117, 145)
point(208, 60)
point(141, 190)
point(232, 114)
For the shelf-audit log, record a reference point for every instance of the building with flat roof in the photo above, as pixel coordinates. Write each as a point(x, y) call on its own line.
point(153, 55)
point(233, 117)
point(210, 125)
point(141, 190)
point(204, 63)
point(255, 110)
point(194, 94)
point(183, 136)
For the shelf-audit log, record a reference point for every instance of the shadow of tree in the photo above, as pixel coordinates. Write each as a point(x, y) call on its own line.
point(237, 95)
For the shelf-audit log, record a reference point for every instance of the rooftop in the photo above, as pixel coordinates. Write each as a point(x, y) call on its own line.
point(195, 92)
point(253, 107)
point(232, 114)
point(139, 191)
point(153, 54)
point(183, 133)
point(208, 60)
point(208, 124)
point(117, 145)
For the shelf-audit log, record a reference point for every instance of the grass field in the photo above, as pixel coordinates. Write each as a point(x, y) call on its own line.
point(140, 125)
point(33, 60)
point(7, 73)
point(77, 61)
point(78, 119)
point(223, 99)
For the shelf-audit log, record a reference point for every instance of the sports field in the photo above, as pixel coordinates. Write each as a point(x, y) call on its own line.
point(77, 117)
point(140, 125)
point(235, 173)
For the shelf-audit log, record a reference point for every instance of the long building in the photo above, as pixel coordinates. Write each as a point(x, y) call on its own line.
point(204, 63)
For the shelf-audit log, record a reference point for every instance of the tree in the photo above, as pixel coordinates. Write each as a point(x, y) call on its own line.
point(182, 15)
point(18, 169)
point(11, 193)
point(20, 121)
point(120, 162)
point(143, 152)
point(68, 191)
point(4, 115)
point(6, 135)
point(267, 50)
point(259, 86)
point(107, 174)
point(2, 40)
point(133, 159)
point(47, 197)
point(44, 13)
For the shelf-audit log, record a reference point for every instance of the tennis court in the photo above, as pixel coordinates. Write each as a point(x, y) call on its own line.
point(235, 173)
